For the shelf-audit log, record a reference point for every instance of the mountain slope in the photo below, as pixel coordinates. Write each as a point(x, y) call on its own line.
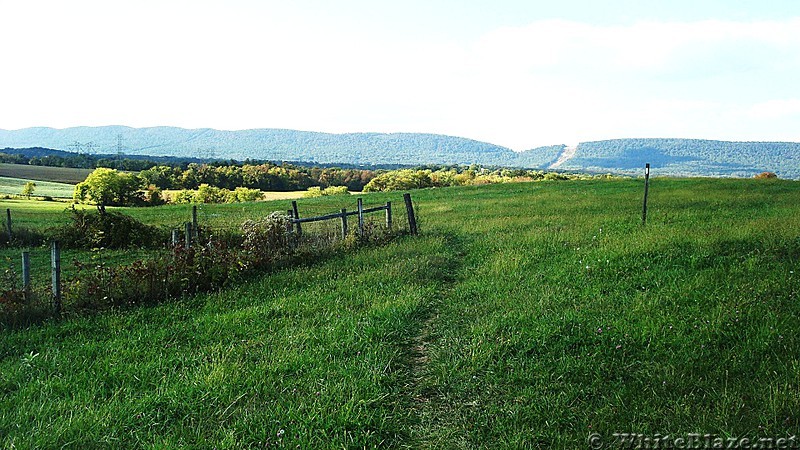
point(687, 157)
point(666, 156)
point(270, 144)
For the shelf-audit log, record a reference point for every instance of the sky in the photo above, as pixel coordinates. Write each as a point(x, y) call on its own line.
point(520, 74)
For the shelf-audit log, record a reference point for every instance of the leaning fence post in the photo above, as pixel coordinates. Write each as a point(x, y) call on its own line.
point(26, 274)
point(360, 217)
point(344, 223)
point(8, 224)
point(412, 220)
point(389, 215)
point(188, 232)
point(297, 216)
point(646, 186)
point(55, 259)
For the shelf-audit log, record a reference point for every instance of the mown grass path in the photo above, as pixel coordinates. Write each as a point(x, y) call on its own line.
point(524, 316)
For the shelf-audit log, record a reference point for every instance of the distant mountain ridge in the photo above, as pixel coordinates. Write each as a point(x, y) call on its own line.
point(273, 144)
point(692, 157)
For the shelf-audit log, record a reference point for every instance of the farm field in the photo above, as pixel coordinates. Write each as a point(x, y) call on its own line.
point(525, 315)
point(13, 186)
point(67, 175)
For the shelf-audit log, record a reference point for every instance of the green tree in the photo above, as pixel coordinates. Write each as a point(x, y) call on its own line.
point(109, 187)
point(28, 189)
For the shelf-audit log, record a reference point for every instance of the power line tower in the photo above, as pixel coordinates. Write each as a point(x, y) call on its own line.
point(76, 147)
point(91, 148)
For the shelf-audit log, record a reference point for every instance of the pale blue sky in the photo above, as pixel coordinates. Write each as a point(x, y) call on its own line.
point(515, 73)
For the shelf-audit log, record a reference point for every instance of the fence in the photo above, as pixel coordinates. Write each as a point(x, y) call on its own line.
point(360, 212)
point(191, 234)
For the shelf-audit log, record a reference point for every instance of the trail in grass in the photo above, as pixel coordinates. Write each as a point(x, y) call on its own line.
point(424, 388)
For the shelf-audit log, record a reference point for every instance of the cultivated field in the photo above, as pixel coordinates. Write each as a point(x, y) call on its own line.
point(525, 315)
point(65, 175)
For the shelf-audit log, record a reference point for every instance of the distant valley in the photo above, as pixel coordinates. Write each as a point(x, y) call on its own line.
point(681, 157)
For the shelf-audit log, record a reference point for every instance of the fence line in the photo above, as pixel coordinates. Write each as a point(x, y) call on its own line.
point(190, 236)
point(360, 211)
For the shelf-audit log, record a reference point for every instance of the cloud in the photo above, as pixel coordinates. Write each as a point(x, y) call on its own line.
point(773, 109)
point(551, 81)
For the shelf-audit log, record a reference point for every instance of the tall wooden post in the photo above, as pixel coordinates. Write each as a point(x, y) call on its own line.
point(26, 274)
point(8, 225)
point(188, 234)
point(195, 228)
point(55, 260)
point(175, 237)
point(412, 220)
point(389, 215)
point(296, 215)
point(646, 187)
point(344, 223)
point(360, 217)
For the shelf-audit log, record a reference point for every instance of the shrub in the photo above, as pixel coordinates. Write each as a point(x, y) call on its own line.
point(243, 194)
point(766, 176)
point(267, 238)
point(316, 191)
point(152, 196)
point(107, 230)
point(336, 190)
point(312, 192)
point(209, 194)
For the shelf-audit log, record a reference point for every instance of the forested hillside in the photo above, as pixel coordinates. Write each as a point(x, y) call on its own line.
point(688, 157)
point(271, 144)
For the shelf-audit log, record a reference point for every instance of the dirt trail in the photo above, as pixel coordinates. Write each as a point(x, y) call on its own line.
point(566, 155)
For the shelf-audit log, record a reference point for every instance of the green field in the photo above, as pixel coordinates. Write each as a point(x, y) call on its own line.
point(67, 175)
point(525, 315)
point(13, 186)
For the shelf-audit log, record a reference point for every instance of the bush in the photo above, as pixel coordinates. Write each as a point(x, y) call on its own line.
point(312, 192)
point(268, 237)
point(766, 176)
point(316, 191)
point(336, 190)
point(108, 230)
point(243, 194)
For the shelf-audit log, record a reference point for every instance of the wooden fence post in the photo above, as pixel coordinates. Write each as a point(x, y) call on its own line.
point(175, 237)
point(26, 274)
point(646, 186)
point(344, 223)
point(360, 217)
point(412, 220)
point(55, 260)
point(188, 232)
point(389, 215)
point(8, 225)
point(296, 216)
point(195, 228)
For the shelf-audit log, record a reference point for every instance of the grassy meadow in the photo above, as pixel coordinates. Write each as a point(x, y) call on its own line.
point(13, 186)
point(525, 315)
